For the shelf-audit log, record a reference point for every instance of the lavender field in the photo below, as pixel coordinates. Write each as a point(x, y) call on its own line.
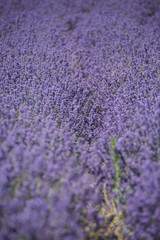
point(79, 119)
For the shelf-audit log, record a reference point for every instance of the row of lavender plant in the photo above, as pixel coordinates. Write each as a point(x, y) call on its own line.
point(79, 120)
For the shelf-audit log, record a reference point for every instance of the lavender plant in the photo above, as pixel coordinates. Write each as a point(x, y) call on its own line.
point(79, 119)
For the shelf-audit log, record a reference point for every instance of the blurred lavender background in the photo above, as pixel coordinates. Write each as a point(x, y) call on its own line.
point(79, 119)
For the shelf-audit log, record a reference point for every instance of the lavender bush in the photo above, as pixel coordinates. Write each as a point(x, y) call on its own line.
point(79, 120)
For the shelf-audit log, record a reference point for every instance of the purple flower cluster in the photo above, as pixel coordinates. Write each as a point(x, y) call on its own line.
point(79, 119)
point(139, 154)
point(143, 208)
